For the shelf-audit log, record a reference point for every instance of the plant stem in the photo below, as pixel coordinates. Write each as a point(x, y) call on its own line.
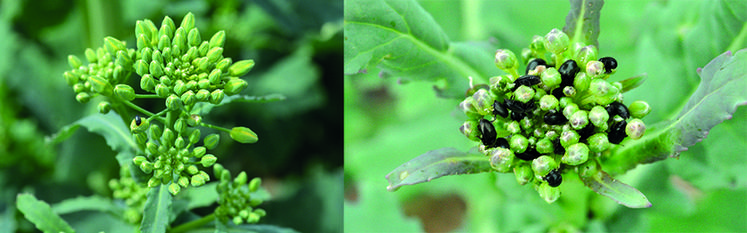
point(193, 224)
point(216, 127)
point(138, 108)
point(146, 96)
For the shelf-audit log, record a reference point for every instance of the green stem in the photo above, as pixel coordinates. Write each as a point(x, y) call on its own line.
point(215, 127)
point(138, 108)
point(147, 96)
point(193, 224)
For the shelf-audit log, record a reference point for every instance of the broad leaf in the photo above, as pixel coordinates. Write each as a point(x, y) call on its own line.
point(95, 203)
point(39, 213)
point(582, 22)
point(437, 163)
point(722, 89)
point(156, 213)
point(607, 186)
point(402, 39)
point(111, 127)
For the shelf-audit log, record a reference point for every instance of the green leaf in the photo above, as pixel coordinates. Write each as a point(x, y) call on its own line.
point(39, 213)
point(633, 82)
point(63, 134)
point(111, 127)
point(95, 203)
point(402, 39)
point(156, 213)
point(582, 22)
point(202, 196)
point(607, 186)
point(721, 91)
point(437, 163)
point(722, 26)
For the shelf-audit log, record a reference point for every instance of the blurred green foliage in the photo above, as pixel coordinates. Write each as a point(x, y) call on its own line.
point(388, 123)
point(297, 46)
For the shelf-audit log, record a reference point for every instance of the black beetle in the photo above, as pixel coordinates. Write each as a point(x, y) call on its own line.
point(501, 142)
point(534, 63)
point(138, 121)
point(617, 132)
point(568, 71)
point(586, 131)
point(609, 64)
point(526, 80)
point(528, 155)
point(553, 178)
point(487, 132)
point(555, 118)
point(617, 108)
point(499, 109)
point(518, 106)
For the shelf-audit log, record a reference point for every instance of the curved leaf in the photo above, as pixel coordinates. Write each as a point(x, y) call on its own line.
point(722, 26)
point(39, 213)
point(437, 163)
point(111, 127)
point(405, 41)
point(582, 22)
point(633, 82)
point(156, 213)
point(607, 186)
point(722, 89)
point(95, 203)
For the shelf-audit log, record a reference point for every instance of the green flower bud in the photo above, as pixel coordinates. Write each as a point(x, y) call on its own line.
point(598, 142)
point(598, 116)
point(156, 68)
point(513, 127)
point(569, 110)
point(164, 43)
point(167, 26)
point(100, 85)
point(523, 173)
point(216, 96)
point(550, 77)
point(575, 154)
point(140, 138)
point(569, 91)
point(82, 97)
point(208, 160)
point(192, 84)
point(139, 125)
point(104, 107)
point(215, 54)
point(113, 45)
point(586, 54)
point(202, 95)
point(469, 129)
point(215, 76)
point(183, 181)
point(173, 102)
point(194, 136)
point(146, 55)
point(556, 41)
point(74, 61)
point(595, 69)
point(140, 68)
point(146, 167)
point(157, 57)
point(189, 98)
point(193, 37)
point(545, 146)
point(203, 84)
point(548, 102)
point(518, 143)
point(125, 92)
point(538, 44)
point(524, 94)
point(152, 147)
point(168, 137)
point(203, 49)
point(240, 68)
point(635, 128)
point(639, 109)
point(199, 151)
point(211, 141)
point(190, 55)
point(180, 143)
point(174, 189)
point(243, 135)
point(218, 39)
point(179, 87)
point(224, 64)
point(153, 182)
point(506, 60)
point(603, 93)
point(549, 194)
point(142, 42)
point(180, 125)
point(91, 56)
point(240, 179)
point(70, 78)
point(194, 120)
point(255, 184)
point(568, 138)
point(581, 82)
point(139, 160)
point(197, 180)
point(79, 87)
point(188, 22)
point(588, 169)
point(119, 73)
point(180, 39)
point(543, 165)
point(579, 119)
point(526, 124)
point(155, 131)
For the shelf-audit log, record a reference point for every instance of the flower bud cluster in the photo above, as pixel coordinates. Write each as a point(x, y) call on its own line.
point(107, 66)
point(238, 200)
point(133, 193)
point(560, 115)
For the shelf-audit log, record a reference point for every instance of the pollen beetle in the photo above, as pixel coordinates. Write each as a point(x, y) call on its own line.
point(526, 80)
point(534, 63)
point(609, 64)
point(553, 178)
point(138, 121)
point(528, 155)
point(617, 132)
point(487, 132)
point(555, 118)
point(499, 109)
point(617, 108)
point(568, 71)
